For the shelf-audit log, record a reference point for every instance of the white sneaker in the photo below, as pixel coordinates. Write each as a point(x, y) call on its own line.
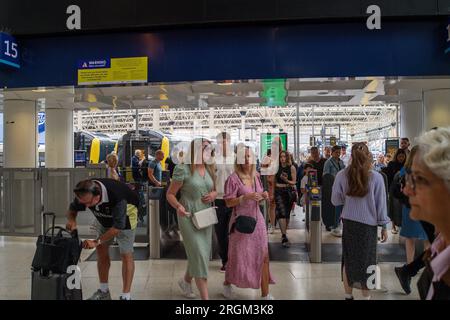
point(228, 292)
point(268, 297)
point(270, 229)
point(186, 288)
point(337, 232)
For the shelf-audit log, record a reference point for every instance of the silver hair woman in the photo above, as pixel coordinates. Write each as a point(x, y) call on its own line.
point(428, 188)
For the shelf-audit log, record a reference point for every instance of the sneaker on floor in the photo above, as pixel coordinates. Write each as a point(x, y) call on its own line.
point(186, 288)
point(337, 232)
point(285, 242)
point(100, 295)
point(404, 278)
point(223, 269)
point(328, 228)
point(268, 297)
point(270, 229)
point(228, 292)
point(123, 298)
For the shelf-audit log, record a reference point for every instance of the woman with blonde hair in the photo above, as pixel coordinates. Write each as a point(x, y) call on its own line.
point(195, 180)
point(248, 253)
point(111, 170)
point(362, 192)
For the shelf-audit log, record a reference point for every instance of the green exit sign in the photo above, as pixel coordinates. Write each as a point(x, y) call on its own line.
point(274, 93)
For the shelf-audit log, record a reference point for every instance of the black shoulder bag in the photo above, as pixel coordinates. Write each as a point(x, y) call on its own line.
point(246, 224)
point(56, 252)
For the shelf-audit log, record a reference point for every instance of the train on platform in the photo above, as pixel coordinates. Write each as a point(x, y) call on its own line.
point(97, 145)
point(149, 141)
point(94, 145)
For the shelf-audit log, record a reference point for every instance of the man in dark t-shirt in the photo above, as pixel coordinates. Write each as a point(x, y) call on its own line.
point(114, 206)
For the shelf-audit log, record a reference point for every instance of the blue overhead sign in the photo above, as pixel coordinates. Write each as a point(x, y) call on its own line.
point(9, 51)
point(94, 64)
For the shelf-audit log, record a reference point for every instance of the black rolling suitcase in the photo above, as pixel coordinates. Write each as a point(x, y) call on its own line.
point(53, 286)
point(54, 274)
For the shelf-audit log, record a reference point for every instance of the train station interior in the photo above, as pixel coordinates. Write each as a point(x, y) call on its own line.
point(348, 109)
point(125, 100)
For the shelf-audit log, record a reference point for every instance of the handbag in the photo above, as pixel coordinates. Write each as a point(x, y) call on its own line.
point(204, 218)
point(246, 224)
point(56, 252)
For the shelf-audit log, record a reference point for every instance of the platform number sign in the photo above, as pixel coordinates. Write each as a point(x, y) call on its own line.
point(9, 51)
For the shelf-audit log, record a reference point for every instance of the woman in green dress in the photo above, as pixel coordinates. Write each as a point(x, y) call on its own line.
point(195, 180)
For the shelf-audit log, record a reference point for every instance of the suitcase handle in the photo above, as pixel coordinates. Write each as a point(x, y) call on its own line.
point(44, 215)
point(73, 234)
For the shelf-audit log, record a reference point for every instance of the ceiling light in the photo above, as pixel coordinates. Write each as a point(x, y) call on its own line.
point(225, 83)
point(40, 89)
point(90, 97)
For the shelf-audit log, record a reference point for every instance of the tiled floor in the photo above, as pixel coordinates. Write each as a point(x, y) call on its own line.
point(157, 279)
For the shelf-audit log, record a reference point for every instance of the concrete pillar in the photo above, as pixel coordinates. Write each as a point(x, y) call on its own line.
point(411, 120)
point(58, 138)
point(20, 138)
point(436, 107)
point(155, 119)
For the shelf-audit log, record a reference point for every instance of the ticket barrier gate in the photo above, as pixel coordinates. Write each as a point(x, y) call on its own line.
point(313, 219)
point(164, 239)
point(155, 196)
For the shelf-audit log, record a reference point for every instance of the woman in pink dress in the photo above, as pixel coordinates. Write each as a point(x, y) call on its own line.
point(248, 254)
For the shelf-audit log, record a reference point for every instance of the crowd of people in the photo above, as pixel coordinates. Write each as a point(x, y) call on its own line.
point(411, 192)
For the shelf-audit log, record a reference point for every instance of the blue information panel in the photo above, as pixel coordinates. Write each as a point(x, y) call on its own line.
point(9, 50)
point(94, 64)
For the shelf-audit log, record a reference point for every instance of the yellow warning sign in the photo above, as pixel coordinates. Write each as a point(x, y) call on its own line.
point(113, 71)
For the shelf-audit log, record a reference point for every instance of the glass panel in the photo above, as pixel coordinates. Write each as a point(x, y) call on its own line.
point(23, 202)
point(5, 219)
point(58, 195)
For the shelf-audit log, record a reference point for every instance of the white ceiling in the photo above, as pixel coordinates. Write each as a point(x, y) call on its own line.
point(332, 91)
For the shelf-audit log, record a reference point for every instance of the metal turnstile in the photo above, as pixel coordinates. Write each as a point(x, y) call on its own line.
point(313, 220)
point(155, 196)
